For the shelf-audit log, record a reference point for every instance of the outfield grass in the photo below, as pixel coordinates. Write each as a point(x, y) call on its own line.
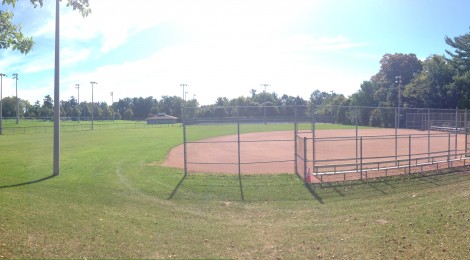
point(112, 200)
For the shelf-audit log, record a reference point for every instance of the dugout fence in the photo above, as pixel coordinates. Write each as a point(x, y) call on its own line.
point(367, 142)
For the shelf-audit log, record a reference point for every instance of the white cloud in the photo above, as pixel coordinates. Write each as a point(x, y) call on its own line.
point(228, 48)
point(213, 71)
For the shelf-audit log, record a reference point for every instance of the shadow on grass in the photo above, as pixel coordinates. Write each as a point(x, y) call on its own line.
point(393, 184)
point(311, 189)
point(177, 187)
point(28, 182)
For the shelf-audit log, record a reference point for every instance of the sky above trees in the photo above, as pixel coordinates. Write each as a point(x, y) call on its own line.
point(223, 48)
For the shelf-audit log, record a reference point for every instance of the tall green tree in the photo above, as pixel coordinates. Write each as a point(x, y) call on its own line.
point(460, 60)
point(460, 56)
point(434, 86)
point(11, 35)
point(404, 66)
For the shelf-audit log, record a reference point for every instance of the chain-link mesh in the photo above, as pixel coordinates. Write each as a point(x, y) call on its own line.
point(329, 142)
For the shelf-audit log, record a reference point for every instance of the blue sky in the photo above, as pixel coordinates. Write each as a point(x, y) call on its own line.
point(224, 48)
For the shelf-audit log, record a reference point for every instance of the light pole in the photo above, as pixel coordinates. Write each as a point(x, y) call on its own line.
point(56, 163)
point(265, 85)
point(77, 86)
point(92, 104)
point(15, 76)
point(1, 104)
point(112, 103)
point(398, 80)
point(184, 93)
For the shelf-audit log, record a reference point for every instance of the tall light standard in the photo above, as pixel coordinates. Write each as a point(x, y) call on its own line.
point(184, 93)
point(15, 76)
point(56, 152)
point(112, 104)
point(265, 85)
point(398, 80)
point(1, 104)
point(92, 104)
point(77, 86)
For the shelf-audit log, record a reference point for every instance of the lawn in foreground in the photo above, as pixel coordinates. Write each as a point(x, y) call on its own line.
point(112, 201)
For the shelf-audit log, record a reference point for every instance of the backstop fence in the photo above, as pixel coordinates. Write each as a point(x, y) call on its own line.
point(323, 143)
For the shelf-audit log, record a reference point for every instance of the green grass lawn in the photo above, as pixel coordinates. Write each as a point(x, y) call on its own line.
point(113, 200)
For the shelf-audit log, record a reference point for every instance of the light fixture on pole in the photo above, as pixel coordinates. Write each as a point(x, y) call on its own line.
point(112, 104)
point(398, 80)
point(92, 104)
point(183, 85)
point(1, 104)
point(77, 86)
point(265, 85)
point(15, 76)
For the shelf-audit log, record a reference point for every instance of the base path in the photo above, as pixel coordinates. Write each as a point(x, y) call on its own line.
point(268, 152)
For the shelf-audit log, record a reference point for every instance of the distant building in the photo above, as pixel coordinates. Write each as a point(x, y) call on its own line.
point(161, 118)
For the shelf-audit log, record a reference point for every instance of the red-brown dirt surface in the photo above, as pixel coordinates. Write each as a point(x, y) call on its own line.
point(273, 152)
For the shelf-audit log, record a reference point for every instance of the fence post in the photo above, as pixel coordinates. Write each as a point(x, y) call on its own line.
point(305, 159)
point(396, 136)
point(429, 134)
point(184, 141)
point(355, 122)
point(360, 145)
point(456, 130)
point(409, 154)
point(313, 137)
point(448, 151)
point(239, 158)
point(466, 132)
point(295, 140)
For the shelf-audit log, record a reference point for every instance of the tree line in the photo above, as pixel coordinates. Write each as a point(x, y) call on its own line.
point(403, 80)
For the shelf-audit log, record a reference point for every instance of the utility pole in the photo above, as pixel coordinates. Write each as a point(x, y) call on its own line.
point(1, 104)
point(265, 85)
point(15, 76)
point(56, 163)
point(92, 104)
point(184, 93)
point(77, 86)
point(398, 80)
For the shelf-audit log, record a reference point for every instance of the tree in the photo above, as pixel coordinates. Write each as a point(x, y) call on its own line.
point(391, 65)
point(11, 35)
point(405, 66)
point(460, 58)
point(434, 86)
point(128, 114)
point(171, 105)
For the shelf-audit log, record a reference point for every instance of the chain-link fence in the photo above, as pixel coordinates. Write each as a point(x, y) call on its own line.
point(323, 143)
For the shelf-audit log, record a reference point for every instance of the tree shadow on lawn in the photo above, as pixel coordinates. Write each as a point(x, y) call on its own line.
point(28, 182)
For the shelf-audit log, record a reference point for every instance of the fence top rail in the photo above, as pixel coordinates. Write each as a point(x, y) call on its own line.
point(372, 137)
